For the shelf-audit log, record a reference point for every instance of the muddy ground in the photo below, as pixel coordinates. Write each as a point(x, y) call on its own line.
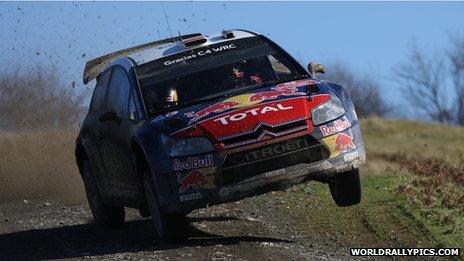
point(44, 215)
point(252, 229)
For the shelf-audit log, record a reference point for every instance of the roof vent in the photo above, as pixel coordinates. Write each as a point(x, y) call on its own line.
point(194, 40)
point(227, 34)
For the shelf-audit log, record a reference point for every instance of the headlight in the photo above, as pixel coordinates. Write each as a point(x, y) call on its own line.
point(328, 111)
point(185, 147)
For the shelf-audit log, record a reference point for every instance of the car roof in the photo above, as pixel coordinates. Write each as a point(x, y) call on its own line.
point(155, 50)
point(150, 54)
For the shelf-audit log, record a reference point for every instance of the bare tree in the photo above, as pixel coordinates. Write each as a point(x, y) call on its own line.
point(37, 100)
point(427, 78)
point(456, 57)
point(364, 90)
point(424, 83)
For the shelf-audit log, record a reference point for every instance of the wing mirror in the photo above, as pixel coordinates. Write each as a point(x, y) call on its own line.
point(109, 116)
point(315, 67)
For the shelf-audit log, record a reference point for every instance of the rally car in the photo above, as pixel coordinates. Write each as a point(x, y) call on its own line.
point(196, 120)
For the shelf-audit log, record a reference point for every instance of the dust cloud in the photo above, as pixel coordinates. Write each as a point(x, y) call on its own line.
point(39, 120)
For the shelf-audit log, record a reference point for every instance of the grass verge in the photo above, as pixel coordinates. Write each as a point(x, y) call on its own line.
point(413, 191)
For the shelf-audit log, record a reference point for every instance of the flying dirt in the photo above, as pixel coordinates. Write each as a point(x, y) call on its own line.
point(44, 215)
point(225, 146)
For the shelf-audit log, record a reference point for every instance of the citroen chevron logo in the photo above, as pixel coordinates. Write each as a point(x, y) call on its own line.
point(265, 135)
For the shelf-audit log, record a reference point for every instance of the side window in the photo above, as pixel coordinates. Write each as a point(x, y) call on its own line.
point(118, 94)
point(133, 114)
point(98, 98)
point(278, 67)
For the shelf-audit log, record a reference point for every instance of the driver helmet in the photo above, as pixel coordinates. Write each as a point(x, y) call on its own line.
point(237, 70)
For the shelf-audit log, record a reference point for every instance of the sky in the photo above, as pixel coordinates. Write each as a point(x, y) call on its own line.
point(369, 37)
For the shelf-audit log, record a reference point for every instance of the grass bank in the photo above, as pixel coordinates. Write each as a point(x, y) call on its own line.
point(413, 191)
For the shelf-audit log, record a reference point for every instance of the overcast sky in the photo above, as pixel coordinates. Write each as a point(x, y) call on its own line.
point(369, 37)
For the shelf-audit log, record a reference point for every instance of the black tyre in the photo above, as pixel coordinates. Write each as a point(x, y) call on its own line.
point(346, 188)
point(167, 227)
point(103, 214)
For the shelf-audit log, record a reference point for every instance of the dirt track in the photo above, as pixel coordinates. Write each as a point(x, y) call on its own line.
point(252, 229)
point(43, 215)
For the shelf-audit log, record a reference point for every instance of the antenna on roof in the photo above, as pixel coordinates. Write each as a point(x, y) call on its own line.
point(180, 36)
point(166, 17)
point(159, 36)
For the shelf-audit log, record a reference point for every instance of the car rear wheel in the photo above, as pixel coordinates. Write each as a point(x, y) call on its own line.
point(346, 188)
point(103, 214)
point(167, 227)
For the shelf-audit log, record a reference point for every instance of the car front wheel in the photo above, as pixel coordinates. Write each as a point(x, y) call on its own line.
point(103, 214)
point(346, 188)
point(167, 227)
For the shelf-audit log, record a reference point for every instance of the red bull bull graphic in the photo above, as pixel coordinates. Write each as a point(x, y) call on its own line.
point(344, 142)
point(297, 83)
point(215, 108)
point(249, 99)
point(283, 89)
point(339, 143)
point(195, 179)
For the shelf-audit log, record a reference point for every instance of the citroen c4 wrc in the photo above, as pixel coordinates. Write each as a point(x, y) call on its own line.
point(196, 120)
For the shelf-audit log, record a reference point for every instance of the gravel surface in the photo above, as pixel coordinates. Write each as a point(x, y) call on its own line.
point(252, 229)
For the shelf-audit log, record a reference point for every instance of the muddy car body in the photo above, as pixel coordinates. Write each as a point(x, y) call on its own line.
point(183, 123)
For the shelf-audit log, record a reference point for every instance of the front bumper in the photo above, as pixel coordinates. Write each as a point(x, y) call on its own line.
point(351, 157)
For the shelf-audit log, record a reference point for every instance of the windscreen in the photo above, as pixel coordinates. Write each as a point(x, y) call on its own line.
point(221, 69)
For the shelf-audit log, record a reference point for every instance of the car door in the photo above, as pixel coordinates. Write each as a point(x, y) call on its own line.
point(116, 137)
point(93, 128)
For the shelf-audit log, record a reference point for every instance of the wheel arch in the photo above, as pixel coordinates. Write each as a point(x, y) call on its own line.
point(81, 154)
point(140, 159)
point(141, 165)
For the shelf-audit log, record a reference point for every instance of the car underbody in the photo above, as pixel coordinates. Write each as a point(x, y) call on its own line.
point(322, 171)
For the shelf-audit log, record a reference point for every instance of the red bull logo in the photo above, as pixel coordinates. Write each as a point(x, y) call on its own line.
point(283, 89)
point(244, 100)
point(344, 142)
point(270, 95)
point(338, 125)
point(194, 179)
point(215, 108)
point(193, 162)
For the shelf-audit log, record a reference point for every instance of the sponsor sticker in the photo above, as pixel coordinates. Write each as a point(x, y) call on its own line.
point(190, 197)
point(193, 162)
point(339, 143)
point(198, 178)
point(158, 118)
point(172, 113)
point(245, 100)
point(201, 53)
point(277, 149)
point(256, 111)
point(337, 126)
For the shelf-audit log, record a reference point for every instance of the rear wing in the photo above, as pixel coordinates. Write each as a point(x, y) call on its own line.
point(95, 66)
